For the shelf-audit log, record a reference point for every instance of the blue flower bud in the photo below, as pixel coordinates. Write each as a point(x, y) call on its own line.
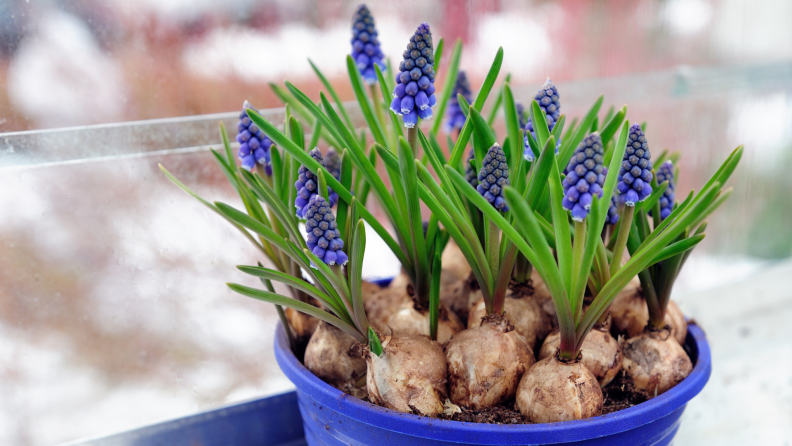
point(493, 177)
point(332, 162)
point(613, 213)
point(324, 238)
point(366, 50)
point(307, 184)
point(585, 177)
point(455, 116)
point(414, 93)
point(635, 174)
point(547, 98)
point(666, 173)
point(470, 174)
point(254, 145)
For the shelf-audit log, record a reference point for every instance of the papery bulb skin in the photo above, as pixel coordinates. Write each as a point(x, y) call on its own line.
point(522, 310)
point(324, 238)
point(493, 177)
point(366, 50)
point(585, 177)
point(332, 162)
point(655, 361)
point(412, 319)
point(254, 145)
point(630, 314)
point(335, 357)
point(307, 186)
point(470, 174)
point(410, 376)
point(485, 363)
point(382, 303)
point(302, 325)
point(601, 353)
point(552, 391)
point(548, 99)
point(454, 284)
point(635, 174)
point(455, 117)
point(414, 94)
point(666, 173)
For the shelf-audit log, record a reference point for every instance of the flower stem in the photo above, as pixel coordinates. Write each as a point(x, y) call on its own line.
point(577, 289)
point(492, 249)
point(522, 269)
point(412, 139)
point(377, 107)
point(621, 241)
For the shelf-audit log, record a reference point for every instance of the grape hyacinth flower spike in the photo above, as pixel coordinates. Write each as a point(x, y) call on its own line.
point(414, 95)
point(585, 178)
point(548, 100)
point(522, 117)
point(254, 145)
point(324, 238)
point(470, 174)
point(635, 174)
point(456, 117)
point(365, 45)
point(493, 177)
point(613, 212)
point(307, 185)
point(332, 162)
point(666, 173)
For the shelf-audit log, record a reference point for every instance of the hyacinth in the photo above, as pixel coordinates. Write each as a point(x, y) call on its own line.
point(332, 162)
point(666, 173)
point(470, 174)
point(635, 174)
point(522, 117)
point(547, 98)
point(414, 95)
point(254, 145)
point(585, 177)
point(456, 117)
point(324, 238)
point(307, 185)
point(365, 45)
point(613, 213)
point(492, 178)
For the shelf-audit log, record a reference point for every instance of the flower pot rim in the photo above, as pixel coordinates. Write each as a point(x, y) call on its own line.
point(578, 430)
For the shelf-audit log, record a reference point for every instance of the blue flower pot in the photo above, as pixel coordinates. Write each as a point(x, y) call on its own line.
point(330, 417)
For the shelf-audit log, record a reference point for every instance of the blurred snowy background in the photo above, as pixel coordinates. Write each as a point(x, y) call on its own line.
point(113, 308)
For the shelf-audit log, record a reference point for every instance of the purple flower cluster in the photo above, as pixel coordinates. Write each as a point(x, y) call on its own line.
point(492, 178)
point(254, 145)
point(613, 213)
point(666, 173)
point(547, 97)
point(522, 117)
point(635, 174)
point(585, 177)
point(470, 174)
point(414, 95)
point(365, 45)
point(324, 238)
point(456, 117)
point(307, 185)
point(332, 162)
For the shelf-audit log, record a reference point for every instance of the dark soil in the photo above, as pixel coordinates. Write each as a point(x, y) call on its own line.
point(620, 394)
point(493, 415)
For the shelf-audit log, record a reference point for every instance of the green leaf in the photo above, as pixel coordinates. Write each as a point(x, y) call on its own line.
point(355, 276)
point(563, 238)
point(410, 181)
point(434, 296)
point(498, 100)
point(610, 128)
point(333, 93)
point(678, 247)
point(512, 128)
point(302, 307)
point(448, 84)
point(313, 109)
point(293, 282)
point(365, 107)
point(395, 123)
point(612, 177)
point(375, 346)
point(343, 206)
point(481, 99)
point(539, 123)
point(570, 142)
point(306, 160)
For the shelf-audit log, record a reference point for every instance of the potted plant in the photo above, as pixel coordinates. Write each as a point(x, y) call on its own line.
point(544, 224)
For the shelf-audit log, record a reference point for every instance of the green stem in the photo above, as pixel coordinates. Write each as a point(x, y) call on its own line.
point(621, 241)
point(376, 104)
point(412, 140)
point(492, 249)
point(578, 247)
point(502, 279)
point(522, 269)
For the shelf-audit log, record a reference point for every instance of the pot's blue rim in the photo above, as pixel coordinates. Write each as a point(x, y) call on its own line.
point(415, 425)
